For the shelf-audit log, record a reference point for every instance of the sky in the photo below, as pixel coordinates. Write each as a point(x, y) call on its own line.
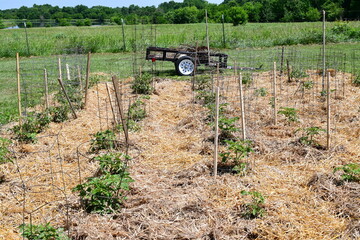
point(6, 4)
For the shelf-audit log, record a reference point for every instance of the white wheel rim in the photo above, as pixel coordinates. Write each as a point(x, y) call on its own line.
point(186, 67)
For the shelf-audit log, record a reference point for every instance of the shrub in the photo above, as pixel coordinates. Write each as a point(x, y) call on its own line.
point(104, 194)
point(351, 172)
point(255, 208)
point(103, 140)
point(142, 84)
point(42, 232)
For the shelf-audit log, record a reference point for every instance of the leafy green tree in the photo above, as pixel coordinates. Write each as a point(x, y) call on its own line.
point(186, 15)
point(253, 9)
point(2, 26)
point(238, 16)
point(333, 10)
point(312, 15)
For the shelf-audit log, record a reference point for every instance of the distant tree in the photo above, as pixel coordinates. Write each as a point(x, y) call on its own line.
point(2, 26)
point(80, 23)
point(238, 16)
point(333, 10)
point(64, 22)
point(253, 9)
point(312, 15)
point(186, 15)
point(87, 22)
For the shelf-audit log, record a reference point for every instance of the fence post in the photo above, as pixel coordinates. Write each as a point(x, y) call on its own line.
point(46, 89)
point(207, 36)
point(223, 29)
point(111, 106)
point(87, 78)
point(216, 140)
point(242, 108)
point(123, 34)
point(275, 94)
point(323, 52)
point(68, 72)
point(18, 87)
point(328, 110)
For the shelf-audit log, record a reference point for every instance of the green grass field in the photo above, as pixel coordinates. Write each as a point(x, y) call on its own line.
point(251, 45)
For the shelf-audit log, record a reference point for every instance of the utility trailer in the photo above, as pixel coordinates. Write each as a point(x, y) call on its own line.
point(186, 60)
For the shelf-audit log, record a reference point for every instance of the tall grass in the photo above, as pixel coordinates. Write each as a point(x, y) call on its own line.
point(108, 39)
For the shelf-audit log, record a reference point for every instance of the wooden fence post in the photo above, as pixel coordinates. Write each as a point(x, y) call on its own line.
point(328, 110)
point(111, 106)
point(242, 108)
point(275, 94)
point(46, 89)
point(64, 90)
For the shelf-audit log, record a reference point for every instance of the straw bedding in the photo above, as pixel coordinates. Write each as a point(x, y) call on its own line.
point(174, 195)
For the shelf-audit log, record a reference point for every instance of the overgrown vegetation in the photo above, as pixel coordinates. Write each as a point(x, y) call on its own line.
point(255, 208)
point(42, 232)
point(350, 172)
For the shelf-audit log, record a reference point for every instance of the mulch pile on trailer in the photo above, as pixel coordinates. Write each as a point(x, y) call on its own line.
point(174, 195)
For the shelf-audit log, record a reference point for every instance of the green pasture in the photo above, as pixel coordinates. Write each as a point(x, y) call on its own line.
point(251, 45)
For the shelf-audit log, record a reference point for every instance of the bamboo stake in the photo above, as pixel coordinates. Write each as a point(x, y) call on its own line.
point(242, 108)
point(216, 141)
point(123, 34)
point(87, 79)
point(18, 87)
point(323, 52)
point(46, 89)
point(275, 94)
point(111, 106)
point(63, 88)
point(122, 117)
point(328, 133)
point(80, 78)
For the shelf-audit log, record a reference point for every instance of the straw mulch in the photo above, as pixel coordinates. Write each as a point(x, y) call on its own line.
point(175, 196)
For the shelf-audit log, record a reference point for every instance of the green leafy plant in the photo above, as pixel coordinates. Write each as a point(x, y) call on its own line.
point(227, 127)
point(59, 114)
point(42, 232)
point(31, 125)
point(289, 113)
point(356, 80)
point(351, 172)
point(308, 135)
point(298, 74)
point(307, 85)
point(112, 163)
point(4, 151)
point(247, 78)
point(142, 84)
point(236, 152)
point(103, 140)
point(104, 194)
point(261, 92)
point(203, 82)
point(137, 111)
point(255, 208)
point(206, 97)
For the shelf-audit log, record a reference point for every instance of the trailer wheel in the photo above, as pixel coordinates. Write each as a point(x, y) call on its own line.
point(185, 66)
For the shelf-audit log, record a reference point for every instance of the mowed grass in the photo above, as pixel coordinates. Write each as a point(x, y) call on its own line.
point(109, 39)
point(251, 45)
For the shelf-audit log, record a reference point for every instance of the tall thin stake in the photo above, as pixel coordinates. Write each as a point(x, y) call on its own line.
point(68, 72)
point(207, 36)
point(328, 133)
point(46, 89)
point(27, 39)
point(275, 94)
point(242, 108)
point(323, 52)
point(216, 141)
point(87, 78)
point(223, 30)
point(111, 106)
point(123, 34)
point(18, 87)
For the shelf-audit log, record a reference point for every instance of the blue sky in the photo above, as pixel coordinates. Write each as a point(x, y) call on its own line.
point(7, 4)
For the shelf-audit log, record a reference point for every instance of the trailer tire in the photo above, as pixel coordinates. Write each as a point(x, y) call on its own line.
point(185, 66)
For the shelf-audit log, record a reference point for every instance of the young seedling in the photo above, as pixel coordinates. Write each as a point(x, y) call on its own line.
point(142, 84)
point(4, 151)
point(103, 140)
point(255, 208)
point(308, 135)
point(42, 232)
point(236, 152)
point(289, 113)
point(351, 172)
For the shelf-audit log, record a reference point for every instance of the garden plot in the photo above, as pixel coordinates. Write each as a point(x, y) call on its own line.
point(174, 195)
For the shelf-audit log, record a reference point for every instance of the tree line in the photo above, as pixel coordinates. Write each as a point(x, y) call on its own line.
point(190, 11)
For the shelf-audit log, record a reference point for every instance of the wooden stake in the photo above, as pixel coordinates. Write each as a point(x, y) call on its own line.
point(275, 94)
point(323, 52)
point(67, 72)
point(111, 106)
point(216, 141)
point(288, 70)
point(217, 74)
point(46, 89)
point(18, 87)
point(122, 116)
point(123, 34)
point(328, 135)
point(207, 36)
point(87, 79)
point(79, 78)
point(242, 108)
point(63, 88)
